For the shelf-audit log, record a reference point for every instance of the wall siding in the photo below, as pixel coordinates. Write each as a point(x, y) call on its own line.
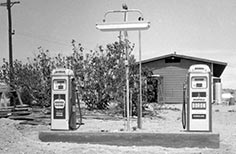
point(174, 75)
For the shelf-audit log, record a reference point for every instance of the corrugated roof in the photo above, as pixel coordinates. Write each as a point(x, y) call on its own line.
point(218, 67)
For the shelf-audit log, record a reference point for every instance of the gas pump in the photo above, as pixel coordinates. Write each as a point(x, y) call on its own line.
point(63, 101)
point(197, 110)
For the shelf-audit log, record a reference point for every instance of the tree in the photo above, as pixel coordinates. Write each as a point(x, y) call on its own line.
point(32, 78)
point(101, 79)
point(99, 74)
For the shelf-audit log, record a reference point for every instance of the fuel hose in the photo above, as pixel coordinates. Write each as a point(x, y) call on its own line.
point(184, 109)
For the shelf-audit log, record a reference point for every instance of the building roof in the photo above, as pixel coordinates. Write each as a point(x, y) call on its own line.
point(218, 67)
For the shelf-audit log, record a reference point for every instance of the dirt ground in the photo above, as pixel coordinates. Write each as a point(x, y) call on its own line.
point(18, 138)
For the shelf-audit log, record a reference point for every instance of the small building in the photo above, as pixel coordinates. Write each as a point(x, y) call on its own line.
point(173, 69)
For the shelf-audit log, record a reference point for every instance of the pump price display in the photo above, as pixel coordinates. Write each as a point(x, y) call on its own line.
point(59, 84)
point(199, 105)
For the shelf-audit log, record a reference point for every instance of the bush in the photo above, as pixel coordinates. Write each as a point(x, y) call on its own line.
point(99, 74)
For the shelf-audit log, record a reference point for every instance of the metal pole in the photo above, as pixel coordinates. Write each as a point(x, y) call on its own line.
point(212, 85)
point(127, 73)
point(140, 85)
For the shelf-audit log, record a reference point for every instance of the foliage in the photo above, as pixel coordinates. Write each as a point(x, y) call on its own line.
point(99, 74)
point(135, 85)
point(101, 79)
point(32, 78)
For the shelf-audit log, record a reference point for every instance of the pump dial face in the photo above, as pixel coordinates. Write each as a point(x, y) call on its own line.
point(59, 84)
point(199, 82)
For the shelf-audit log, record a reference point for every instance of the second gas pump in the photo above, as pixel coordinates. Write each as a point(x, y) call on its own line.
point(197, 106)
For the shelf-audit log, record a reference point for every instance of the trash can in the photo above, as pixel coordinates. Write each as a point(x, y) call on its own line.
point(232, 101)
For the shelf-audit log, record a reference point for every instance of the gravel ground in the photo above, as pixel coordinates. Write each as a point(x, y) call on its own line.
point(16, 138)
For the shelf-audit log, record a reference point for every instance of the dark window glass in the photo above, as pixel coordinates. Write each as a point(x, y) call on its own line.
point(173, 60)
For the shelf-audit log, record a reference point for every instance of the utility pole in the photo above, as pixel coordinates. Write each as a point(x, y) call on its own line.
point(9, 4)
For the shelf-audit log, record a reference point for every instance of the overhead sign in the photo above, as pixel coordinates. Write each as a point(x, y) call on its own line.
point(127, 26)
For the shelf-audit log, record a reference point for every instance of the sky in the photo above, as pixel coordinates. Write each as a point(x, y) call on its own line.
point(198, 28)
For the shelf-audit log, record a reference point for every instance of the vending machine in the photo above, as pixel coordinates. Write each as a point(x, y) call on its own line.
point(197, 110)
point(63, 105)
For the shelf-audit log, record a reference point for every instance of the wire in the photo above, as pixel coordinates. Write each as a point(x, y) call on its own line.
point(53, 40)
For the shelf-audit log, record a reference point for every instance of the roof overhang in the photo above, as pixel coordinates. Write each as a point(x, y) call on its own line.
point(218, 67)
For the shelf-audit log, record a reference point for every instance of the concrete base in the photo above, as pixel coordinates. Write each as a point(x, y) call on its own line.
point(174, 140)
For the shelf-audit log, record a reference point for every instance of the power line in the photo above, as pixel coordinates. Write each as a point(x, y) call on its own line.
point(48, 39)
point(54, 41)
